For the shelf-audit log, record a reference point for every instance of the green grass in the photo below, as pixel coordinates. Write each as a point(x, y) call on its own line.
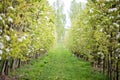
point(58, 64)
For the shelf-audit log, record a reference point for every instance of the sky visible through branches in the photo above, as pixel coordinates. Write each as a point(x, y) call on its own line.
point(67, 4)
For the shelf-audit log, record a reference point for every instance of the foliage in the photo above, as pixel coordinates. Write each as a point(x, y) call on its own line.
point(95, 34)
point(26, 30)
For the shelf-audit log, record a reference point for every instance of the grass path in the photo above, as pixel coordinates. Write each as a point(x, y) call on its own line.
point(58, 64)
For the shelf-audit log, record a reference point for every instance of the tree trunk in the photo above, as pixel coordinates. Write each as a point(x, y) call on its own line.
point(14, 66)
point(104, 65)
point(5, 67)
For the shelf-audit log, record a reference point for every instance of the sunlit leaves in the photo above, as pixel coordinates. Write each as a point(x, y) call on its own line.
point(95, 33)
point(25, 28)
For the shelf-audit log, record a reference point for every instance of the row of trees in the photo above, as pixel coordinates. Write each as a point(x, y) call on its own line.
point(60, 19)
point(95, 36)
point(26, 31)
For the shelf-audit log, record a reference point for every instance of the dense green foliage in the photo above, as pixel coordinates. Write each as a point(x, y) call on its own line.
point(25, 31)
point(58, 64)
point(95, 35)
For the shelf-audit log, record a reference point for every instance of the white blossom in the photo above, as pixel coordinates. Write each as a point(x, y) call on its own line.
point(79, 29)
point(24, 37)
point(103, 4)
point(1, 45)
point(3, 21)
point(116, 57)
point(117, 25)
point(118, 35)
point(11, 29)
point(42, 12)
point(108, 0)
point(118, 44)
point(15, 35)
point(38, 38)
point(108, 36)
point(85, 22)
point(101, 29)
point(10, 19)
point(29, 50)
point(39, 22)
point(1, 18)
point(99, 53)
point(111, 17)
point(33, 34)
point(119, 55)
point(0, 58)
point(46, 18)
point(20, 39)
point(37, 10)
point(7, 37)
point(2, 14)
point(0, 30)
point(36, 26)
point(97, 0)
point(11, 8)
point(112, 9)
point(42, 49)
point(111, 26)
point(117, 50)
point(11, 49)
point(1, 52)
point(91, 11)
point(7, 50)
point(118, 16)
